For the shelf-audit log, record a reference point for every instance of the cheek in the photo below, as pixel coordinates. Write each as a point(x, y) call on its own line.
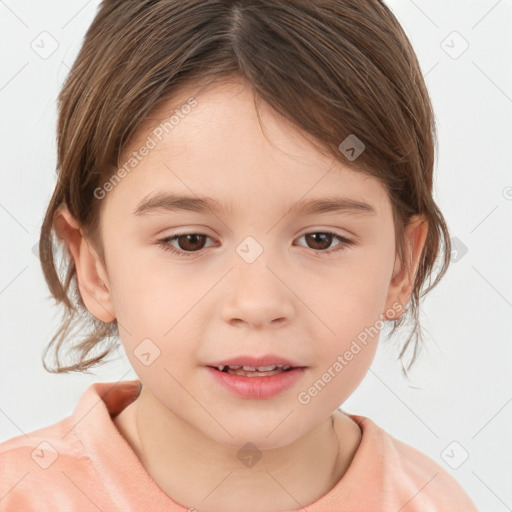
point(145, 285)
point(157, 302)
point(354, 295)
point(348, 343)
point(350, 308)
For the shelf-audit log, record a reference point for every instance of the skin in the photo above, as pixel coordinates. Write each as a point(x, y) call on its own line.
point(290, 301)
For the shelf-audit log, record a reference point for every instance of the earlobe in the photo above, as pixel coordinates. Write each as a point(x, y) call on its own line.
point(403, 277)
point(90, 274)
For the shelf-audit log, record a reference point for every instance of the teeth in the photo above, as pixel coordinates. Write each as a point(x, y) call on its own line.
point(254, 369)
point(270, 368)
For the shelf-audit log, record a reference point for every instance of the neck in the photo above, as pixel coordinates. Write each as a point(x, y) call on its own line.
point(195, 471)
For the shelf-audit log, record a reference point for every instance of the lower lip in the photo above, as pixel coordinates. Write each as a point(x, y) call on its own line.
point(257, 387)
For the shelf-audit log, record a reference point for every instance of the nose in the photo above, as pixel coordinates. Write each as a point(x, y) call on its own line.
point(257, 294)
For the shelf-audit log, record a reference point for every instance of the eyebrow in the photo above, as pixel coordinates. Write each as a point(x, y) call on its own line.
point(175, 202)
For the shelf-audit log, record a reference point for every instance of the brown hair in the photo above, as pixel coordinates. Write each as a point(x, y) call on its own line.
point(332, 67)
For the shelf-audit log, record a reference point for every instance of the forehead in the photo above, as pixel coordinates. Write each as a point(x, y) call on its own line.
point(212, 142)
point(226, 118)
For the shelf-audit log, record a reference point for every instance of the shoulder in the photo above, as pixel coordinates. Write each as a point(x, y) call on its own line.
point(411, 480)
point(40, 448)
point(38, 466)
point(79, 463)
point(62, 466)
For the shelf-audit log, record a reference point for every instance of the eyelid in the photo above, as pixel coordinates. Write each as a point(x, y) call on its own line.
point(335, 230)
point(344, 242)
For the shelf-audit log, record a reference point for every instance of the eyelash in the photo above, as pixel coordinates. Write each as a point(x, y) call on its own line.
point(165, 243)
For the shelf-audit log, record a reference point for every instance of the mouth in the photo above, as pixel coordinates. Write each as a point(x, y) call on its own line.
point(254, 371)
point(256, 366)
point(256, 378)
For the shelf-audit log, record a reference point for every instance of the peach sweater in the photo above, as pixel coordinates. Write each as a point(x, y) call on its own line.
point(82, 463)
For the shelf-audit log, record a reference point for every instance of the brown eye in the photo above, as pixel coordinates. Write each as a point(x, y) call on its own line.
point(192, 242)
point(184, 245)
point(319, 241)
point(188, 244)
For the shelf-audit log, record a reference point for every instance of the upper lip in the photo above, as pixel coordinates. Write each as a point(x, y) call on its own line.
point(256, 361)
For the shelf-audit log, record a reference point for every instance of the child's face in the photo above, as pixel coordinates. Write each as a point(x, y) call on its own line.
point(215, 303)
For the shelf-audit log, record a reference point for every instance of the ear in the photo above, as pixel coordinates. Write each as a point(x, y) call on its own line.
point(90, 273)
point(402, 280)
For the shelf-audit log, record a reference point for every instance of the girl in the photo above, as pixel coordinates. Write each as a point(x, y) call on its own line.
point(244, 198)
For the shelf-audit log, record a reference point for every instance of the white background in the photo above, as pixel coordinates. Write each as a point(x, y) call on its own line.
point(460, 390)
